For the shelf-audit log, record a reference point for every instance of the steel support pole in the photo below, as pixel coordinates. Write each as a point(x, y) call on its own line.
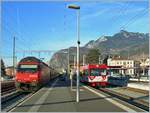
point(99, 60)
point(83, 60)
point(78, 56)
point(71, 81)
point(14, 44)
point(71, 75)
point(68, 63)
point(74, 62)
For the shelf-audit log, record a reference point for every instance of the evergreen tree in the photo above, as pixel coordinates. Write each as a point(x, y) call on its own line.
point(2, 68)
point(105, 59)
point(93, 56)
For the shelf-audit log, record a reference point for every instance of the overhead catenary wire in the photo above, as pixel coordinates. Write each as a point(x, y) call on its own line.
point(123, 7)
point(18, 33)
point(12, 33)
point(135, 17)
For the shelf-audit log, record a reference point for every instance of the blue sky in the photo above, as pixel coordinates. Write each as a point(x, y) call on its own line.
point(51, 26)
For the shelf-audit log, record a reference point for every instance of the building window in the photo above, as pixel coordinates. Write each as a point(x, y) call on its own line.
point(124, 63)
point(130, 71)
point(127, 71)
point(121, 63)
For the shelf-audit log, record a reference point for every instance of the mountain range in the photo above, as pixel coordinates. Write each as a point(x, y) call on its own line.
point(126, 44)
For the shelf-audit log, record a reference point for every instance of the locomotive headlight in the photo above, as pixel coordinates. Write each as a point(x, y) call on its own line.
point(19, 80)
point(34, 83)
point(34, 80)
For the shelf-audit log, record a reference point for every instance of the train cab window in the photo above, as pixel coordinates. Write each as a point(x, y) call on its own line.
point(103, 71)
point(28, 68)
point(94, 72)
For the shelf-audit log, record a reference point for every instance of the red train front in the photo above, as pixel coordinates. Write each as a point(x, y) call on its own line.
point(31, 74)
point(95, 75)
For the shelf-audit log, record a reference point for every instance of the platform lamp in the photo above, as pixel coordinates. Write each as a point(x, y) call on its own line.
point(77, 8)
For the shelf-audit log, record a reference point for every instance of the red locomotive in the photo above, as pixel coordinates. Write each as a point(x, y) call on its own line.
point(32, 73)
point(95, 75)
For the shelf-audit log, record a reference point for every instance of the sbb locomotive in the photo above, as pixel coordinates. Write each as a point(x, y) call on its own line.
point(32, 73)
point(94, 75)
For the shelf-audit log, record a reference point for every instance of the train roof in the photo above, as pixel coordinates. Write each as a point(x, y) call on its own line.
point(89, 66)
point(30, 59)
point(33, 60)
point(103, 66)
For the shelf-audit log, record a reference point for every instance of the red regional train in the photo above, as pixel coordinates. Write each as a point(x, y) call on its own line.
point(94, 75)
point(32, 73)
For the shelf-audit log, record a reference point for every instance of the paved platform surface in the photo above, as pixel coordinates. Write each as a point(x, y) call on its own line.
point(131, 93)
point(142, 79)
point(58, 97)
point(139, 85)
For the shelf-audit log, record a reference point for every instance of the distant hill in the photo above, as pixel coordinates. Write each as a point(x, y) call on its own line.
point(60, 59)
point(124, 43)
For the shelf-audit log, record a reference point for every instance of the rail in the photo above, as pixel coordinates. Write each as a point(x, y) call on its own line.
point(139, 102)
point(7, 87)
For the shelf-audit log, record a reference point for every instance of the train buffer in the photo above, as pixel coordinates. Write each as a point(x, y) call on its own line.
point(58, 97)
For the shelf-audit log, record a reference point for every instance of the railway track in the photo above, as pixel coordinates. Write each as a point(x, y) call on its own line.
point(8, 90)
point(137, 90)
point(7, 87)
point(137, 101)
point(12, 100)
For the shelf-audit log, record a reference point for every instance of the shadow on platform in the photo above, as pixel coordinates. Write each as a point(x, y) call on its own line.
point(60, 83)
point(67, 101)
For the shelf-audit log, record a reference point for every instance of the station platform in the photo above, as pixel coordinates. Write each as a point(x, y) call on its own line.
point(139, 85)
point(135, 94)
point(144, 79)
point(58, 97)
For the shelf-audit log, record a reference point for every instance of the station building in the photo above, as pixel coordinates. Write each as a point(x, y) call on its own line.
point(144, 64)
point(127, 64)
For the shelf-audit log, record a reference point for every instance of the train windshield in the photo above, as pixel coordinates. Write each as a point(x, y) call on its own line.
point(94, 72)
point(28, 68)
point(103, 72)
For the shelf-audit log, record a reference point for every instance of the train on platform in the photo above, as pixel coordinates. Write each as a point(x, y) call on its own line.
point(100, 76)
point(32, 73)
point(94, 75)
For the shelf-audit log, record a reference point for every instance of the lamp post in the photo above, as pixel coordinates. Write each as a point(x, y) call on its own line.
point(74, 62)
point(68, 62)
point(78, 47)
point(69, 74)
point(84, 56)
point(68, 67)
point(14, 47)
point(100, 62)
